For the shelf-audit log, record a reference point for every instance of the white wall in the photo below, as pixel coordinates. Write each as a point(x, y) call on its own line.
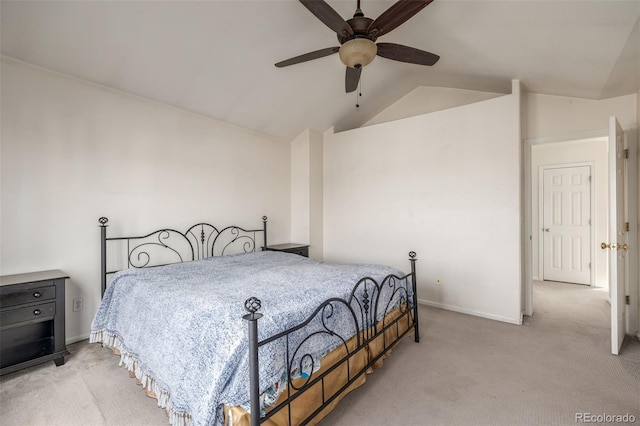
point(445, 184)
point(426, 99)
point(316, 199)
point(300, 194)
point(547, 116)
point(72, 152)
point(306, 191)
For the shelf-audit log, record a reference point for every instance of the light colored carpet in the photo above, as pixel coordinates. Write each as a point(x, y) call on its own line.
point(465, 371)
point(472, 371)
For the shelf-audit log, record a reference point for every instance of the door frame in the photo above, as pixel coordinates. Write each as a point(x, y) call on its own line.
point(541, 170)
point(527, 282)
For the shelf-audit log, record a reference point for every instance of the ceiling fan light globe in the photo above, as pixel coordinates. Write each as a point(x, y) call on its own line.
point(358, 52)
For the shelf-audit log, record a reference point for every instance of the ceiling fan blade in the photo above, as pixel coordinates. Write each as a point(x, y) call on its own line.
point(328, 16)
point(308, 56)
point(401, 53)
point(352, 78)
point(395, 16)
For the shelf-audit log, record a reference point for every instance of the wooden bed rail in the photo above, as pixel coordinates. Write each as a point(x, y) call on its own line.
point(389, 331)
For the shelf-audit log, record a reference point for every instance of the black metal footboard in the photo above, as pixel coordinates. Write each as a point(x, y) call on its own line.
point(378, 315)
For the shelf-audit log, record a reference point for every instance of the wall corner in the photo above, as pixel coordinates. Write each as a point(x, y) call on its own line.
point(307, 191)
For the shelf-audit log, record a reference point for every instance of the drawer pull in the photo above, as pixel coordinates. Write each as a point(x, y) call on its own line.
point(37, 294)
point(36, 312)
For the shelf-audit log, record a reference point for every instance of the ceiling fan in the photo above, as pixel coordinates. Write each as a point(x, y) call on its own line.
point(358, 35)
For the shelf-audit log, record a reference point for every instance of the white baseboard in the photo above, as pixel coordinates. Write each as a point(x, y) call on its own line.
point(516, 321)
point(76, 339)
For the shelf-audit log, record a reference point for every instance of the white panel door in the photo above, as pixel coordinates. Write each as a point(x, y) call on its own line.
point(567, 224)
point(617, 234)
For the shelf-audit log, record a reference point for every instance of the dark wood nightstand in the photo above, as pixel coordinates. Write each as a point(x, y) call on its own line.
point(299, 249)
point(32, 320)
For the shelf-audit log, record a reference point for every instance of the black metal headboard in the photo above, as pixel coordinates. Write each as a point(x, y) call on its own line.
point(166, 246)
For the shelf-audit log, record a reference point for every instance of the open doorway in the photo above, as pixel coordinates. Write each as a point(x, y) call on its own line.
point(569, 197)
point(592, 150)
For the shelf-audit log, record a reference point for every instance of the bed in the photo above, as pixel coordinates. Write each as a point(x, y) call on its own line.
point(217, 327)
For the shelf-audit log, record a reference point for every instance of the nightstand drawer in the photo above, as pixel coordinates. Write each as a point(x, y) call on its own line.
point(28, 296)
point(35, 312)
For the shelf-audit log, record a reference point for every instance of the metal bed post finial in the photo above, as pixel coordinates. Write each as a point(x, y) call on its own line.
point(103, 253)
point(264, 226)
point(412, 259)
point(252, 305)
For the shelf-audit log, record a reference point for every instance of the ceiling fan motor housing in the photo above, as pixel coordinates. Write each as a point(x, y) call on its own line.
point(359, 49)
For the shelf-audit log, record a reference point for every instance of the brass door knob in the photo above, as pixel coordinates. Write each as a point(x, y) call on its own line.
point(545, 229)
point(605, 246)
point(622, 246)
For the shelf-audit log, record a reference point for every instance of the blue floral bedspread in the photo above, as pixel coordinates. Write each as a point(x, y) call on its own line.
point(180, 327)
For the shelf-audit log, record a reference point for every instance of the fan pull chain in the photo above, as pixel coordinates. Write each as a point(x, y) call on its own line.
point(359, 92)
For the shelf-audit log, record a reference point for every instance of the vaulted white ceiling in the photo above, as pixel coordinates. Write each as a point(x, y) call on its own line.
point(216, 58)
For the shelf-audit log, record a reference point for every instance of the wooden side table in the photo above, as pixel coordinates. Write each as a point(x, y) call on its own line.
point(32, 322)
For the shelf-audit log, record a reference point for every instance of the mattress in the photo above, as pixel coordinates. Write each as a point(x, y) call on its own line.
point(179, 327)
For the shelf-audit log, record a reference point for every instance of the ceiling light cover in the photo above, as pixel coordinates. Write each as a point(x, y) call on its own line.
point(358, 52)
